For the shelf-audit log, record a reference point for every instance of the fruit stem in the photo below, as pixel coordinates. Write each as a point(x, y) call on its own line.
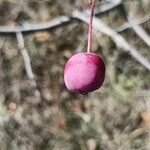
point(89, 46)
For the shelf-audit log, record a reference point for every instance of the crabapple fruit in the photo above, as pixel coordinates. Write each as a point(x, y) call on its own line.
point(84, 72)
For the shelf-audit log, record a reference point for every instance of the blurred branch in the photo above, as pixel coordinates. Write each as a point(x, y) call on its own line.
point(138, 132)
point(2, 40)
point(83, 16)
point(63, 20)
point(29, 12)
point(57, 22)
point(141, 33)
point(143, 93)
point(36, 27)
point(117, 38)
point(137, 28)
point(136, 22)
point(28, 66)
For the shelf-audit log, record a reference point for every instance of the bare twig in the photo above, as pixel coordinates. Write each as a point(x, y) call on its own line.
point(136, 22)
point(137, 28)
point(60, 21)
point(2, 73)
point(143, 93)
point(63, 20)
point(117, 38)
point(29, 12)
point(36, 27)
point(141, 33)
point(2, 40)
point(28, 66)
point(57, 22)
point(138, 132)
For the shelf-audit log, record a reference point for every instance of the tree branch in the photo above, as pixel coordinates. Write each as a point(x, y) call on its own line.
point(36, 27)
point(63, 20)
point(28, 66)
point(117, 38)
point(136, 22)
point(138, 132)
point(54, 23)
point(141, 33)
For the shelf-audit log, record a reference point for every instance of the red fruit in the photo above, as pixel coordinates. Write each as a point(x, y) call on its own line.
point(84, 72)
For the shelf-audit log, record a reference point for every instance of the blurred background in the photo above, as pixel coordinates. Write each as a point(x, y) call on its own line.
point(115, 117)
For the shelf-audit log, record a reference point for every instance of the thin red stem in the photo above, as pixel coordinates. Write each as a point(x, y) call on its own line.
point(90, 26)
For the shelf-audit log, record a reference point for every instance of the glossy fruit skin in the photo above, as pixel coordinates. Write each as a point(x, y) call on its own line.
point(84, 73)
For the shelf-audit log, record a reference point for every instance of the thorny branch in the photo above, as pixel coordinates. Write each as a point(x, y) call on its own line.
point(28, 67)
